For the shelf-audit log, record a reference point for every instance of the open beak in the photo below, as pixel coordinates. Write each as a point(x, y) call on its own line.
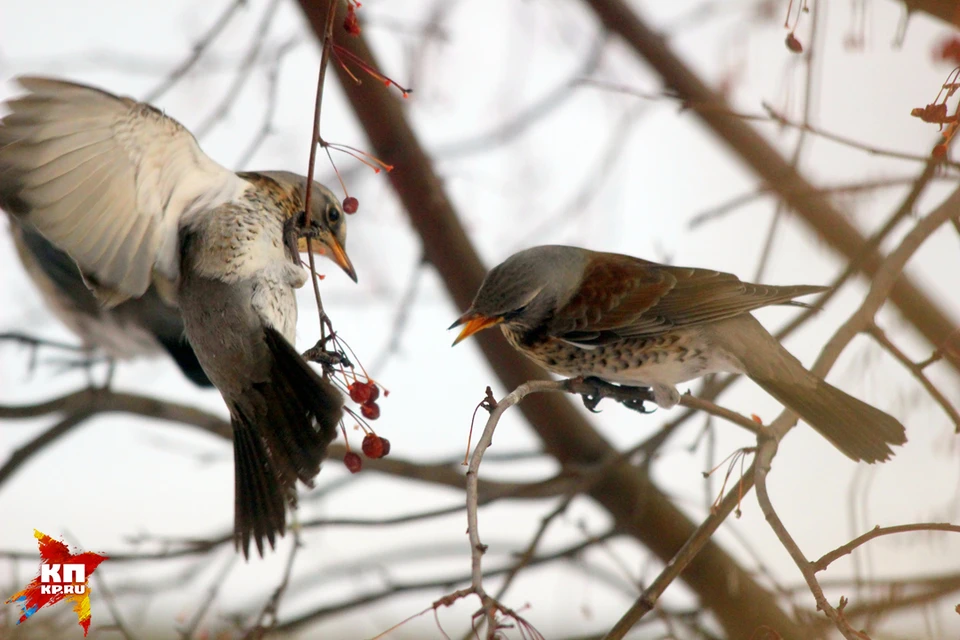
point(328, 245)
point(473, 322)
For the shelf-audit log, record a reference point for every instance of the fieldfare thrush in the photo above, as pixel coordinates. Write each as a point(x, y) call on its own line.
point(127, 193)
point(629, 321)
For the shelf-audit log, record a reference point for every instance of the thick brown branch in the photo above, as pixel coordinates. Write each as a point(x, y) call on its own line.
point(636, 504)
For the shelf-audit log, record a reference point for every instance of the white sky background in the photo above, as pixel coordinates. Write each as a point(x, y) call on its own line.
point(133, 476)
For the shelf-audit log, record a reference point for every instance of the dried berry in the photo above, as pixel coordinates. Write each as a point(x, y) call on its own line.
point(386, 447)
point(353, 462)
point(350, 204)
point(793, 44)
point(372, 446)
point(350, 24)
point(370, 410)
point(935, 113)
point(948, 50)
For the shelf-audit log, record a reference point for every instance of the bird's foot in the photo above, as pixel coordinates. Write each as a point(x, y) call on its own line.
point(592, 390)
point(329, 359)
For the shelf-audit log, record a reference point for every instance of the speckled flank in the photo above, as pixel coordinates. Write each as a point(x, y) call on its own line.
point(670, 358)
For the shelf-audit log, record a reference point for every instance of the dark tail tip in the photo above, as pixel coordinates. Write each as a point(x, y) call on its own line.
point(860, 431)
point(280, 438)
point(259, 501)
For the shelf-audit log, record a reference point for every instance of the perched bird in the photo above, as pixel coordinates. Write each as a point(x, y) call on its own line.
point(143, 326)
point(127, 193)
point(629, 321)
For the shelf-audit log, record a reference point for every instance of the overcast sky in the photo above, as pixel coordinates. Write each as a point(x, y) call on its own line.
point(120, 476)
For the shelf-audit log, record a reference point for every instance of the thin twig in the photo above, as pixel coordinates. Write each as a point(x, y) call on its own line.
point(860, 320)
point(269, 610)
point(876, 532)
point(881, 337)
point(477, 548)
point(273, 92)
point(243, 71)
point(24, 453)
point(682, 559)
point(716, 212)
point(201, 45)
point(445, 582)
point(402, 315)
point(531, 549)
point(326, 47)
point(108, 598)
point(767, 451)
point(212, 592)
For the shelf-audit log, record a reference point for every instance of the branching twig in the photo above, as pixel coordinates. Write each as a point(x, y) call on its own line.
point(860, 320)
point(881, 337)
point(876, 532)
point(477, 548)
point(269, 611)
point(682, 559)
point(202, 44)
point(273, 92)
point(243, 71)
point(212, 591)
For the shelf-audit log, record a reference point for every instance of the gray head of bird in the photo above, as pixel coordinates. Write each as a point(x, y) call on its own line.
point(525, 290)
point(326, 233)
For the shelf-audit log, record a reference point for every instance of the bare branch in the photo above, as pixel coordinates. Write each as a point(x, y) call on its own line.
point(881, 337)
point(876, 532)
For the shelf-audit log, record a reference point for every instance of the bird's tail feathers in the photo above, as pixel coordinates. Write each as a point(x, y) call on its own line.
point(857, 429)
point(295, 417)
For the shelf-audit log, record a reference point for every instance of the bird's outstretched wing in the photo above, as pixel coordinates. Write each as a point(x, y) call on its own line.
point(107, 180)
point(622, 297)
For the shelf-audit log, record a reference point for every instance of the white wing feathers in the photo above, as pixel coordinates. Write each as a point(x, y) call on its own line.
point(108, 180)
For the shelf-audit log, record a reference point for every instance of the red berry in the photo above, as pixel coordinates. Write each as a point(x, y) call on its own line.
point(350, 204)
point(361, 392)
point(374, 392)
point(793, 44)
point(386, 447)
point(370, 410)
point(372, 446)
point(353, 462)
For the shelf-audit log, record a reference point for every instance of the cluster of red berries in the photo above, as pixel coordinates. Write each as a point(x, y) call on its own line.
point(365, 394)
point(373, 447)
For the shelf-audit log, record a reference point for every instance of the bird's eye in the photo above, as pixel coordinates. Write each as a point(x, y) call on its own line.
point(333, 214)
point(514, 313)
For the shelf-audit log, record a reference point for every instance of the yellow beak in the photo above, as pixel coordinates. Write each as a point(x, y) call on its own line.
point(473, 323)
point(337, 253)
